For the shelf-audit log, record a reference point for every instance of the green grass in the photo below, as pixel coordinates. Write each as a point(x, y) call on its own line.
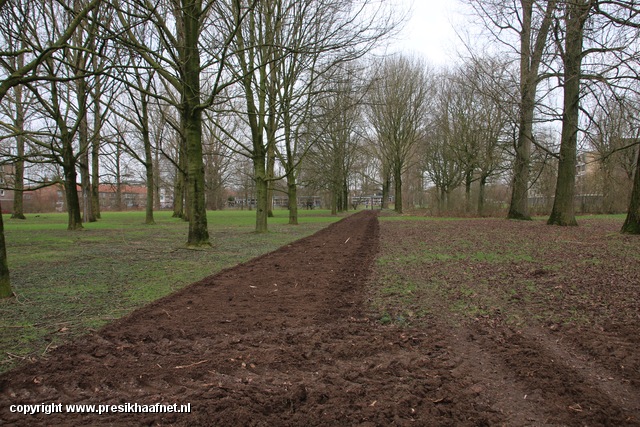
point(67, 282)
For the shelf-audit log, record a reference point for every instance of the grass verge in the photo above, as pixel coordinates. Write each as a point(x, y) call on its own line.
point(66, 283)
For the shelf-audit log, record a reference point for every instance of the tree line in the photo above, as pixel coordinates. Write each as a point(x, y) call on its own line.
point(291, 91)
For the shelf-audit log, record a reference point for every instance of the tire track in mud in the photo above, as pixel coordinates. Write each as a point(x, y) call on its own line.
point(568, 388)
point(555, 372)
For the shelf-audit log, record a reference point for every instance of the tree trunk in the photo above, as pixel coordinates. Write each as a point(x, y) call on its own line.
point(632, 222)
point(95, 148)
point(386, 187)
point(148, 161)
point(468, 181)
point(260, 176)
point(71, 196)
point(197, 210)
point(118, 201)
point(95, 177)
point(442, 200)
point(150, 187)
point(563, 206)
point(334, 201)
point(345, 196)
point(87, 202)
point(83, 162)
point(397, 179)
point(530, 59)
point(608, 196)
point(483, 184)
point(292, 192)
point(179, 182)
point(18, 200)
point(271, 163)
point(448, 199)
point(5, 281)
point(178, 195)
point(156, 180)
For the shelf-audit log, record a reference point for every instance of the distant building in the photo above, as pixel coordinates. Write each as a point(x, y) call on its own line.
point(132, 197)
point(52, 198)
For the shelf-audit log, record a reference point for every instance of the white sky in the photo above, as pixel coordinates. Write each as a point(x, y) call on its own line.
point(429, 32)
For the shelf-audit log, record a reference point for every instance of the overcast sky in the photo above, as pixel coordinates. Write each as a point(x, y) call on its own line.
point(430, 30)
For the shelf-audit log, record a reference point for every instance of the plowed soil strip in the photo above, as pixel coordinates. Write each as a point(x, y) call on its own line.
point(280, 339)
point(286, 340)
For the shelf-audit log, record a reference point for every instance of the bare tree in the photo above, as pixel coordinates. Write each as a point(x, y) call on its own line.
point(612, 138)
point(134, 108)
point(18, 18)
point(440, 162)
point(576, 13)
point(530, 21)
point(335, 136)
point(218, 159)
point(398, 101)
point(339, 31)
point(190, 40)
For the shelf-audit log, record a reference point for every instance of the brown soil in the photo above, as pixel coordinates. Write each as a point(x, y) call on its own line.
point(288, 339)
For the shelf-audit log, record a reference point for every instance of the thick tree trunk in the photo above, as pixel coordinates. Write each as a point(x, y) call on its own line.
point(5, 280)
point(292, 192)
point(197, 210)
point(386, 187)
point(178, 195)
point(397, 179)
point(71, 196)
point(563, 206)
point(198, 229)
point(442, 200)
point(519, 206)
point(18, 192)
point(632, 222)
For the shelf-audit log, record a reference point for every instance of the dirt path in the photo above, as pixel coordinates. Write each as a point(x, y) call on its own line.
point(285, 340)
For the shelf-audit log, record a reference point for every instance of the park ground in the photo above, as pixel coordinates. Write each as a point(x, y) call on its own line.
point(375, 320)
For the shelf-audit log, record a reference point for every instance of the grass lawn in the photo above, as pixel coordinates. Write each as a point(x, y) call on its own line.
point(68, 282)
